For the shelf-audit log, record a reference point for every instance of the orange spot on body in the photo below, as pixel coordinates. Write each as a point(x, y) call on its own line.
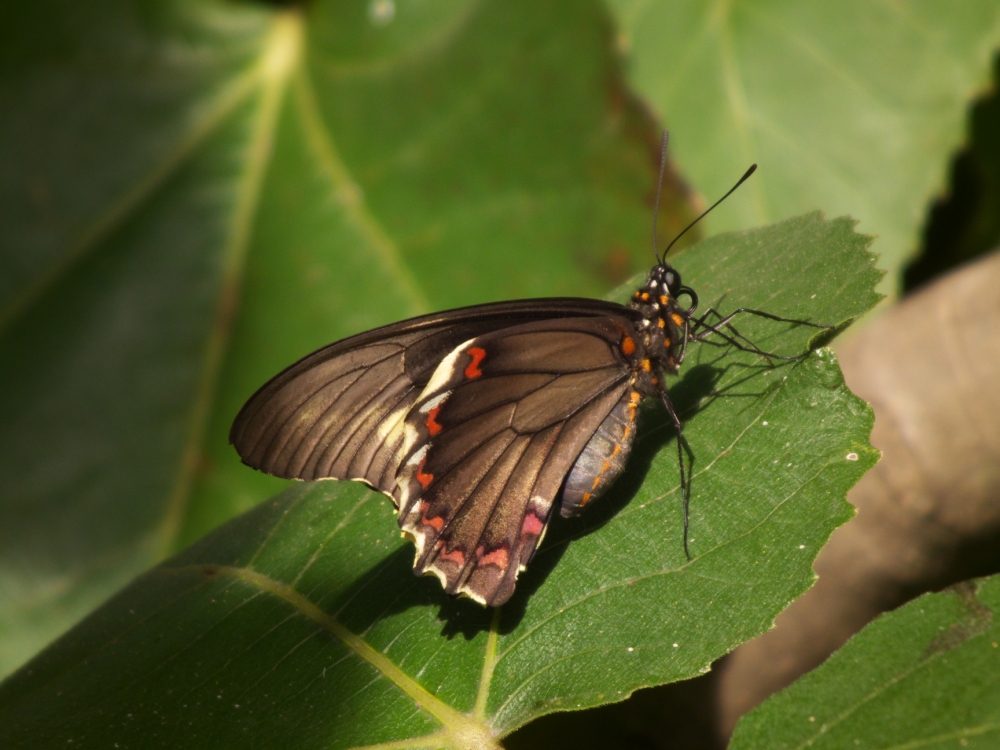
point(586, 499)
point(646, 365)
point(635, 397)
point(644, 296)
point(498, 557)
point(628, 346)
point(424, 479)
point(660, 322)
point(677, 319)
point(432, 426)
point(478, 354)
point(664, 299)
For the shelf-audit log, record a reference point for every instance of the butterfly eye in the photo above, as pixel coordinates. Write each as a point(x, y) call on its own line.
point(673, 281)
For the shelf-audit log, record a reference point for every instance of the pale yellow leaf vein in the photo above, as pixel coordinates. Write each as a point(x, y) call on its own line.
point(329, 537)
point(350, 197)
point(90, 238)
point(277, 61)
point(434, 740)
point(459, 729)
point(489, 663)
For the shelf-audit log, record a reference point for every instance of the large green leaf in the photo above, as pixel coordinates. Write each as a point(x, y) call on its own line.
point(852, 106)
point(124, 191)
point(196, 194)
point(922, 676)
point(300, 623)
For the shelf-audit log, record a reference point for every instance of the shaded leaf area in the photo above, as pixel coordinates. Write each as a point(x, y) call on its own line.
point(123, 140)
point(855, 107)
point(301, 621)
point(196, 194)
point(924, 675)
point(966, 222)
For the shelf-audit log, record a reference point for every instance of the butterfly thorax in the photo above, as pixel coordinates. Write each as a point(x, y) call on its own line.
point(663, 323)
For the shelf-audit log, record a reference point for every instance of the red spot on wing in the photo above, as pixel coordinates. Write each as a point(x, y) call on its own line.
point(532, 525)
point(424, 479)
point(436, 522)
point(478, 354)
point(432, 426)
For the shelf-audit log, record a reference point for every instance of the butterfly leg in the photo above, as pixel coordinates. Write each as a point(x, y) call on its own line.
point(726, 322)
point(685, 489)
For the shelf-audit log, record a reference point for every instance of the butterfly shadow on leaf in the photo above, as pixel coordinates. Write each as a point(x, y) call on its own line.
point(389, 588)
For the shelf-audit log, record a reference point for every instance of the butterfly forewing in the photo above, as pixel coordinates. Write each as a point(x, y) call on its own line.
point(338, 413)
point(490, 440)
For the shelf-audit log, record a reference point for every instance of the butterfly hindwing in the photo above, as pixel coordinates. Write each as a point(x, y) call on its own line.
point(491, 439)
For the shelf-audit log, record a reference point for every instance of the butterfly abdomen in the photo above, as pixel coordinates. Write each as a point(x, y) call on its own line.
point(603, 458)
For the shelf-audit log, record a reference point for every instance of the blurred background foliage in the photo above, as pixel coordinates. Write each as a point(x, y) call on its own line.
point(195, 194)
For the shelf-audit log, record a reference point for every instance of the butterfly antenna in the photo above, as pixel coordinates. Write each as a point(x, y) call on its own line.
point(659, 186)
point(744, 178)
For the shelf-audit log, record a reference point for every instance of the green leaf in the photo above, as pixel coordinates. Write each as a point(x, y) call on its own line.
point(964, 224)
point(123, 193)
point(851, 106)
point(300, 623)
point(195, 194)
point(924, 675)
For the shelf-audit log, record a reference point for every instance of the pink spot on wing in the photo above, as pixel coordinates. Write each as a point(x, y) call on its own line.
point(456, 555)
point(497, 557)
point(532, 525)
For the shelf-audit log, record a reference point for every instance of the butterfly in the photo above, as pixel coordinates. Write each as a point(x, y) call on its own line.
point(477, 421)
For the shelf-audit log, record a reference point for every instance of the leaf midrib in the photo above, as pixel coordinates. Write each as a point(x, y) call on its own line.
point(280, 56)
point(90, 239)
point(457, 728)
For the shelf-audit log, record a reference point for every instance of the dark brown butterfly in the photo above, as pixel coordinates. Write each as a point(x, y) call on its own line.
point(476, 420)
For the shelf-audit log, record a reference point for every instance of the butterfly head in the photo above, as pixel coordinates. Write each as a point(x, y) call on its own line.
point(664, 278)
point(662, 287)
